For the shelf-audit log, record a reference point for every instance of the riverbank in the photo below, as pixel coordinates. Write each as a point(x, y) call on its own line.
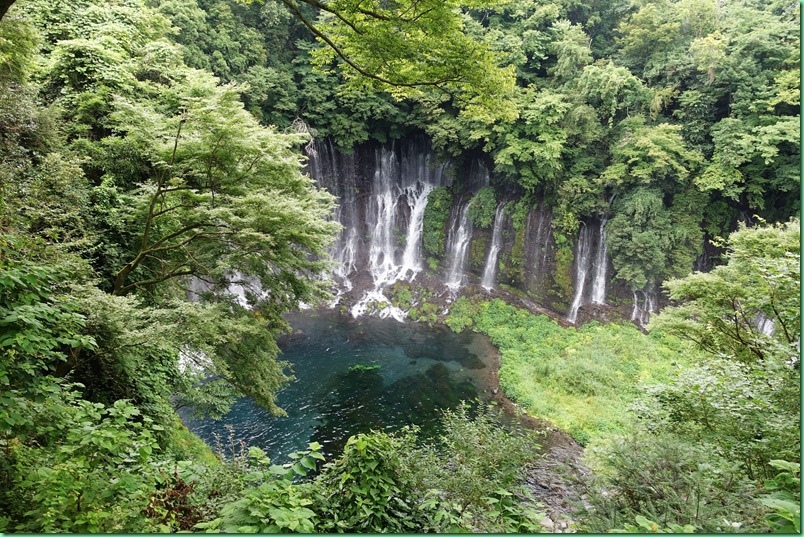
point(553, 478)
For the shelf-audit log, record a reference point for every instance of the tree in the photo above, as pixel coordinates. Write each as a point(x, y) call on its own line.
point(406, 46)
point(745, 399)
point(726, 311)
point(165, 180)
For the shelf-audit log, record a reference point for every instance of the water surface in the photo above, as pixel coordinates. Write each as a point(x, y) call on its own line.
point(357, 375)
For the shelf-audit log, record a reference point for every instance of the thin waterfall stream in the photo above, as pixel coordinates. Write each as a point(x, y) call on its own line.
point(583, 262)
point(458, 248)
point(490, 270)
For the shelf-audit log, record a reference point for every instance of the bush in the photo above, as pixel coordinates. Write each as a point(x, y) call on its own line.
point(368, 489)
point(476, 455)
point(483, 206)
point(749, 412)
point(436, 215)
point(469, 480)
point(785, 498)
point(460, 315)
point(91, 469)
point(667, 480)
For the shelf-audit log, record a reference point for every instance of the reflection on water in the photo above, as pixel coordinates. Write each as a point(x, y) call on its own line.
point(355, 375)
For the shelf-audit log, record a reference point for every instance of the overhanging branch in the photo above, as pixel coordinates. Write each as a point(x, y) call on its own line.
point(351, 63)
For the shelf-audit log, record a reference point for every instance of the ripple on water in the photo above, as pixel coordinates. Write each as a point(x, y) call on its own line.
point(407, 372)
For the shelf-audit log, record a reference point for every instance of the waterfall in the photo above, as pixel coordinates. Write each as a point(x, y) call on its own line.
point(395, 200)
point(382, 212)
point(412, 256)
point(641, 313)
point(764, 324)
point(538, 236)
point(478, 175)
point(337, 173)
point(599, 282)
point(583, 260)
point(490, 272)
point(539, 260)
point(458, 240)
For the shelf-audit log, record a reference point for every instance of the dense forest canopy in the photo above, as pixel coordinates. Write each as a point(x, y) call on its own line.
point(151, 160)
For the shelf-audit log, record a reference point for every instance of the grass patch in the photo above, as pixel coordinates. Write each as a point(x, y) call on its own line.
point(187, 445)
point(583, 380)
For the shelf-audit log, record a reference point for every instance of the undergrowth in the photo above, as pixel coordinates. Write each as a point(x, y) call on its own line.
point(583, 380)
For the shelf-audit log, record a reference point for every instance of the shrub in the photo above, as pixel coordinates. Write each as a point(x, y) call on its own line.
point(667, 480)
point(436, 215)
point(482, 207)
point(368, 489)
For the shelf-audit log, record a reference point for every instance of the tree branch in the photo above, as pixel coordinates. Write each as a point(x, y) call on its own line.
point(158, 279)
point(160, 183)
point(173, 208)
point(781, 322)
point(123, 273)
point(295, 9)
point(188, 240)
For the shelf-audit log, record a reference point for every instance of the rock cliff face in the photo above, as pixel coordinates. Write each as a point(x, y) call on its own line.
point(383, 192)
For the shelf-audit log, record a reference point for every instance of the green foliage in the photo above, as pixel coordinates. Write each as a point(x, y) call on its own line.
point(460, 315)
point(362, 367)
point(581, 380)
point(485, 482)
point(436, 214)
point(719, 310)
point(122, 159)
point(17, 47)
point(41, 322)
point(405, 48)
point(426, 312)
point(367, 488)
point(650, 156)
point(664, 479)
point(746, 398)
point(612, 90)
point(532, 152)
point(645, 525)
point(482, 207)
point(276, 505)
point(90, 471)
point(402, 294)
point(478, 248)
point(565, 256)
point(748, 414)
point(380, 483)
point(649, 242)
point(785, 497)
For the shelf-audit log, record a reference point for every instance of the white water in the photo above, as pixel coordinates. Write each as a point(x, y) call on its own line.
point(490, 271)
point(583, 261)
point(458, 247)
point(412, 257)
point(642, 312)
point(336, 173)
point(599, 282)
point(394, 219)
point(765, 325)
point(374, 301)
point(382, 214)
